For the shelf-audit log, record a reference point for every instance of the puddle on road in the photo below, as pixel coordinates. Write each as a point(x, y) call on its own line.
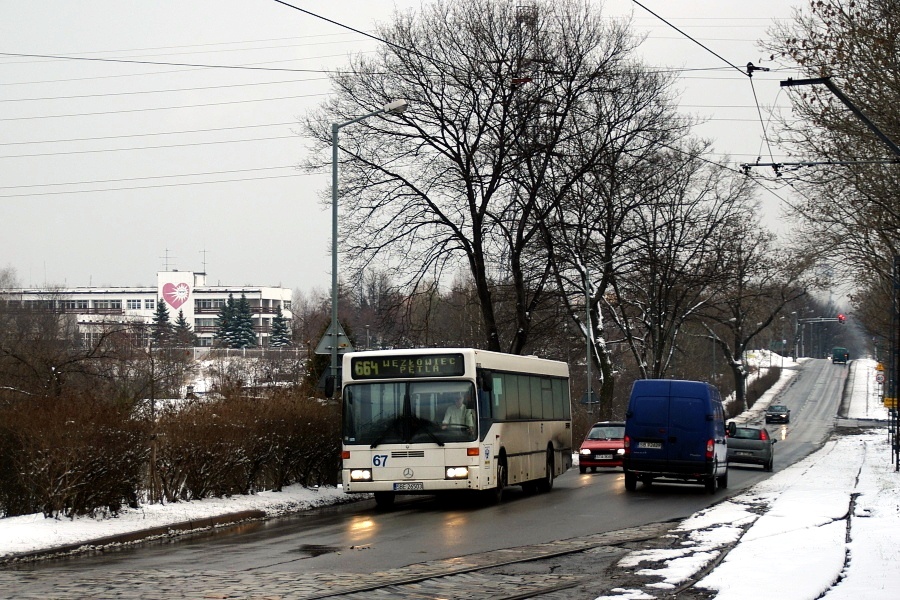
point(314, 550)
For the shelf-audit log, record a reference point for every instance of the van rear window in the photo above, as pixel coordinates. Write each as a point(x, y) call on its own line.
point(654, 411)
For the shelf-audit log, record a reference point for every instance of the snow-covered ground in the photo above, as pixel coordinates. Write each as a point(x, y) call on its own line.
point(830, 523)
point(825, 527)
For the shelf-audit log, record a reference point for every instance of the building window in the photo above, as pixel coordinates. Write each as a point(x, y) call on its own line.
point(150, 304)
point(206, 322)
point(39, 304)
point(134, 305)
point(115, 304)
point(209, 303)
point(101, 304)
point(287, 304)
point(82, 304)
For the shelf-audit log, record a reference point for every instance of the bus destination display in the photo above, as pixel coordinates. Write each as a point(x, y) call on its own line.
point(418, 365)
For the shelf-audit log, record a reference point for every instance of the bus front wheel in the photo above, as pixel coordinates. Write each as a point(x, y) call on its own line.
point(495, 496)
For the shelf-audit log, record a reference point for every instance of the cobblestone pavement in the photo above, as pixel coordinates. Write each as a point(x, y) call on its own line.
point(583, 567)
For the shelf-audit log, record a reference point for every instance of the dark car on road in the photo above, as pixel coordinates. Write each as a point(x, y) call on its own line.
point(778, 413)
point(603, 446)
point(751, 445)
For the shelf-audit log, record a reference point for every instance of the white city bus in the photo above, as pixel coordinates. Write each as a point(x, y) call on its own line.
point(513, 428)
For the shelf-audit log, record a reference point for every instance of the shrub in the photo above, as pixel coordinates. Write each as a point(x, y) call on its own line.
point(68, 456)
point(241, 445)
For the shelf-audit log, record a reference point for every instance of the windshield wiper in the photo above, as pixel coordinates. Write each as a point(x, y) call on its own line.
point(392, 428)
point(428, 432)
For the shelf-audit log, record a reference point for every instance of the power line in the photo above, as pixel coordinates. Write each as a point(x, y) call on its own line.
point(184, 145)
point(148, 177)
point(133, 135)
point(137, 110)
point(143, 187)
point(725, 60)
point(162, 63)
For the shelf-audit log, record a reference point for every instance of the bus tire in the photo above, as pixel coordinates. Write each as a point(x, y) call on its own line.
point(546, 483)
point(384, 500)
point(495, 496)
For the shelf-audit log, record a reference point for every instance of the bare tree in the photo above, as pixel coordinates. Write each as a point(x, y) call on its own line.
point(849, 210)
point(629, 122)
point(459, 181)
point(762, 281)
point(673, 268)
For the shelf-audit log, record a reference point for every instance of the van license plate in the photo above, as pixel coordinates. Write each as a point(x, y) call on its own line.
point(650, 445)
point(405, 487)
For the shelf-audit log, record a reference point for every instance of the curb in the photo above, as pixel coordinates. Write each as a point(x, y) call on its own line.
point(137, 536)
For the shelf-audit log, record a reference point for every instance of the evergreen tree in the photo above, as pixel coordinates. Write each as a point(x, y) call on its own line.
point(244, 336)
point(281, 333)
point(224, 333)
point(183, 335)
point(161, 331)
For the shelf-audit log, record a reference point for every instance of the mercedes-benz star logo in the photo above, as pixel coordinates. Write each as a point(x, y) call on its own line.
point(408, 473)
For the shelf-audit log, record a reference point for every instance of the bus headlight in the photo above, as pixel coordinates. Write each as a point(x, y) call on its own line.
point(361, 475)
point(457, 472)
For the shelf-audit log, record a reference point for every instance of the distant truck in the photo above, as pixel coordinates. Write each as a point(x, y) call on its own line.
point(839, 355)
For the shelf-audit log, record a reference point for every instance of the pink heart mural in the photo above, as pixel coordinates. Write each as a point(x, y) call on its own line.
point(176, 294)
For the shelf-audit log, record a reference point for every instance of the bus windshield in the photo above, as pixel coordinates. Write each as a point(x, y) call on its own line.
point(409, 412)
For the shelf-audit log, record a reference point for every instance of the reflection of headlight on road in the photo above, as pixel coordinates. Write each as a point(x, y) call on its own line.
point(361, 475)
point(361, 524)
point(457, 472)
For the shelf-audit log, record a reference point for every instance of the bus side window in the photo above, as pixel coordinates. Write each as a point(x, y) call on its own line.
point(484, 403)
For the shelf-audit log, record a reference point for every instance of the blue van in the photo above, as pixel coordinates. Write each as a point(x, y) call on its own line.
point(675, 430)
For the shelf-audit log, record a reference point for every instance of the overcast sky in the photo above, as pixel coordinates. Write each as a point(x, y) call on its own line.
point(112, 171)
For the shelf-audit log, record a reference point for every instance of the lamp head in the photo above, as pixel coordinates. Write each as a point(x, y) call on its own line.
point(396, 107)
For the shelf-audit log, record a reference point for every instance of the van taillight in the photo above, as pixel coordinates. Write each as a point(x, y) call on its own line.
point(627, 441)
point(710, 445)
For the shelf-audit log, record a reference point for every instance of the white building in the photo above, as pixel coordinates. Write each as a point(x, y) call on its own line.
point(184, 291)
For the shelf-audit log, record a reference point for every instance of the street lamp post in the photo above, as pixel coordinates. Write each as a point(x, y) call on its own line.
point(395, 108)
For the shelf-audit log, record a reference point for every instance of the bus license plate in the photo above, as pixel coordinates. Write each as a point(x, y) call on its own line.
point(409, 486)
point(650, 445)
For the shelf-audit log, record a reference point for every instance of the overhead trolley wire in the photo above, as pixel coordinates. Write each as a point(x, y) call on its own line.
point(750, 68)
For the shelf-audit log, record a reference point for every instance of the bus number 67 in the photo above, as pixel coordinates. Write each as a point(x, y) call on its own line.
point(380, 460)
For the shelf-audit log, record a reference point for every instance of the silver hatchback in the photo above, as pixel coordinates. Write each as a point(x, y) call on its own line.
point(751, 445)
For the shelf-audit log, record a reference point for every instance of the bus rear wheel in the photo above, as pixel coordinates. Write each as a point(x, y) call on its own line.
point(546, 483)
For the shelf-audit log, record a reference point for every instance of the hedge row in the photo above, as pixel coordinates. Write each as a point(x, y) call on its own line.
point(75, 456)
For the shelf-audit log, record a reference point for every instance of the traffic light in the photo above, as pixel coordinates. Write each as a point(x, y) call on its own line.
point(841, 318)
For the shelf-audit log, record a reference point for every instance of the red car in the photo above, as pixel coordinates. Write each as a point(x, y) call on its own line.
point(603, 446)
